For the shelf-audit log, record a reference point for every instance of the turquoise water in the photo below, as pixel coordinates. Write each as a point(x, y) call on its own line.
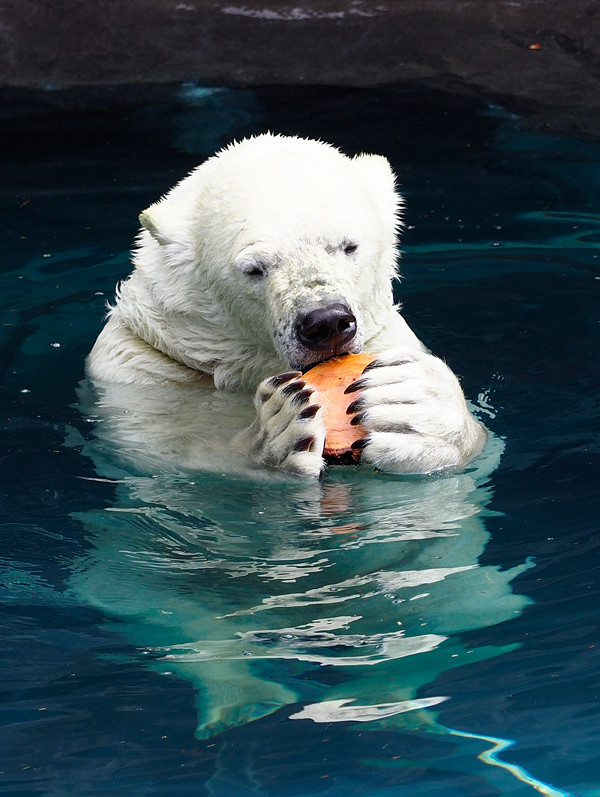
point(172, 633)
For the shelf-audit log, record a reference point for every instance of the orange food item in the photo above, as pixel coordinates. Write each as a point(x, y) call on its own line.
point(330, 379)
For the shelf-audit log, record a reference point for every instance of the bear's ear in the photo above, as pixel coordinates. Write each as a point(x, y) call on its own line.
point(380, 178)
point(156, 221)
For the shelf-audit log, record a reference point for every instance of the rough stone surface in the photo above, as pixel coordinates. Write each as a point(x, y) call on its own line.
point(536, 56)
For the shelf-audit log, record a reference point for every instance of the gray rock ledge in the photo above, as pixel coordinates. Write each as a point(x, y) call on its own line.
point(538, 57)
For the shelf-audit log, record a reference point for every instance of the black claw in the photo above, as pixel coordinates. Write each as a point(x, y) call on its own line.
point(358, 385)
point(402, 360)
point(304, 444)
point(309, 412)
point(264, 397)
point(293, 387)
point(373, 364)
point(303, 396)
point(358, 419)
point(356, 405)
point(358, 445)
point(281, 379)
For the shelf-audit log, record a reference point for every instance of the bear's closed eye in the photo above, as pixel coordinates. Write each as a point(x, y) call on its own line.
point(255, 270)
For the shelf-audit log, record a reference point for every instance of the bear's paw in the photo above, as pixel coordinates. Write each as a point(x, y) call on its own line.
point(289, 432)
point(415, 415)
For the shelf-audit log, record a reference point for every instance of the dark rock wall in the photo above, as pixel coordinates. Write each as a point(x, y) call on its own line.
point(537, 56)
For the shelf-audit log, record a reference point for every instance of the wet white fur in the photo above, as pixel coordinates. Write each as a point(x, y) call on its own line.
point(225, 262)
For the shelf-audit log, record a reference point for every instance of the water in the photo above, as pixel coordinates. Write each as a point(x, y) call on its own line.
point(172, 633)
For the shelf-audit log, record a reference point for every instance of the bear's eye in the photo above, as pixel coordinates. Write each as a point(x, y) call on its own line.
point(253, 269)
point(349, 247)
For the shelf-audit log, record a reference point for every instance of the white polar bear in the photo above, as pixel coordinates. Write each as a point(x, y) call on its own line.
point(273, 255)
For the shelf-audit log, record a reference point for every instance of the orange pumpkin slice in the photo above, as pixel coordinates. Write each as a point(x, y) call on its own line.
point(330, 379)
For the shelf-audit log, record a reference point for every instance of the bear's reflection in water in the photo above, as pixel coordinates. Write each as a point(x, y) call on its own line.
point(338, 599)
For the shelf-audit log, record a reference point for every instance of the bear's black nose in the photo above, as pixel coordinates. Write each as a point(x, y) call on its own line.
point(326, 328)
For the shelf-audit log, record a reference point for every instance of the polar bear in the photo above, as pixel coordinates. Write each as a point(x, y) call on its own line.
point(273, 255)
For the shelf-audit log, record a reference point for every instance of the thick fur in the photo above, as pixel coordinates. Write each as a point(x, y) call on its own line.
point(226, 263)
point(248, 586)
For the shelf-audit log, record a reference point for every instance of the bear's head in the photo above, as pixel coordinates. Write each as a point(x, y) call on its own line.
point(277, 251)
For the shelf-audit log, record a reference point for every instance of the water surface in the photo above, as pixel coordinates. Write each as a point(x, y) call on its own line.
point(171, 633)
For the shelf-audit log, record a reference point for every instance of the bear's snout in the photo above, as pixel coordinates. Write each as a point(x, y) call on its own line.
point(326, 329)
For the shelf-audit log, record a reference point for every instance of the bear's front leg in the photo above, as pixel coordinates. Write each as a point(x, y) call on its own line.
point(414, 411)
point(288, 433)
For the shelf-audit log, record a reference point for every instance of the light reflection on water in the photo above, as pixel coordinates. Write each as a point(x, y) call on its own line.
point(250, 588)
